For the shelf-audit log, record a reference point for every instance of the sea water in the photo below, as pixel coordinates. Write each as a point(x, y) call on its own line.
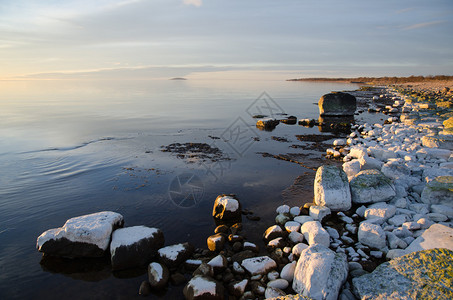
point(69, 148)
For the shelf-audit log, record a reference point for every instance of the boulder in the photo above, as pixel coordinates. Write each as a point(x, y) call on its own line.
point(259, 265)
point(337, 104)
point(420, 275)
point(371, 186)
point(436, 236)
point(314, 233)
point(158, 275)
point(172, 256)
point(371, 235)
point(216, 242)
point(439, 191)
point(135, 246)
point(380, 210)
point(331, 188)
point(320, 273)
point(84, 236)
point(227, 209)
point(200, 287)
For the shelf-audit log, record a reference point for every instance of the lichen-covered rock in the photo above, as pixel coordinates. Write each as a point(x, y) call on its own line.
point(84, 236)
point(320, 273)
point(371, 186)
point(331, 188)
point(200, 287)
point(425, 274)
point(438, 141)
point(135, 246)
point(337, 104)
point(439, 191)
point(227, 208)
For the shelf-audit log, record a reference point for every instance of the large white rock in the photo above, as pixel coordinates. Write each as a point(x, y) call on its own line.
point(84, 236)
point(320, 273)
point(351, 168)
point(259, 265)
point(331, 188)
point(380, 210)
point(371, 235)
point(314, 233)
point(371, 186)
point(439, 191)
point(436, 236)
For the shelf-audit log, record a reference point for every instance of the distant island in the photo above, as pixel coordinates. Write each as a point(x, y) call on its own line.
point(379, 80)
point(178, 78)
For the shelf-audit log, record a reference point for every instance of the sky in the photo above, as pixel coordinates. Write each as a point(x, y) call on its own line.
point(224, 39)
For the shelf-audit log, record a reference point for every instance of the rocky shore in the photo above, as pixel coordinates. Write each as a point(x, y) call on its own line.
point(380, 226)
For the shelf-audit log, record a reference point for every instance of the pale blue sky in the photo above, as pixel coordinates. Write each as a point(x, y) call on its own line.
point(224, 38)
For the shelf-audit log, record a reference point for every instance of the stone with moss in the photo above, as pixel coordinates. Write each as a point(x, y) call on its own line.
point(331, 188)
point(438, 141)
point(425, 274)
point(439, 191)
point(448, 123)
point(337, 104)
point(371, 186)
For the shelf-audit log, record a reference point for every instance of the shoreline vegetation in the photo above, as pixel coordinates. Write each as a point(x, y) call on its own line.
point(380, 80)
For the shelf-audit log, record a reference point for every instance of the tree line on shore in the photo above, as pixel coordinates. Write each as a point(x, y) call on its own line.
point(381, 80)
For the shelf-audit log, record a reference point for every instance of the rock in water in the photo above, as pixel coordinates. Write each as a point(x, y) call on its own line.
point(371, 186)
point(227, 209)
point(425, 274)
point(259, 265)
point(439, 191)
point(200, 287)
point(158, 275)
point(173, 256)
point(134, 246)
point(320, 273)
point(84, 236)
point(337, 104)
point(267, 124)
point(332, 188)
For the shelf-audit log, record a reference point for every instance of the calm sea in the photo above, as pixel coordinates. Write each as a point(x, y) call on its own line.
point(69, 148)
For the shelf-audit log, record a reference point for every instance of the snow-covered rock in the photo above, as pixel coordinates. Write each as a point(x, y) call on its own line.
point(371, 186)
point(259, 265)
point(158, 275)
point(371, 235)
point(135, 246)
point(331, 188)
point(320, 273)
point(218, 263)
point(200, 287)
point(436, 236)
point(84, 236)
point(238, 288)
point(314, 233)
point(174, 255)
point(227, 208)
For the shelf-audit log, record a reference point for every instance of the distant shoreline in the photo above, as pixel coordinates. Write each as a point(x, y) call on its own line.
point(379, 80)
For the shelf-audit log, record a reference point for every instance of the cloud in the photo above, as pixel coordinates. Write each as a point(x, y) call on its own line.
point(423, 25)
point(193, 2)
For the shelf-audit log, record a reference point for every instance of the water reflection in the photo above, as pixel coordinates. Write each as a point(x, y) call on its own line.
point(341, 124)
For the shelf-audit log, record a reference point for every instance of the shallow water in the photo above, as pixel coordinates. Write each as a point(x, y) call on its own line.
point(69, 148)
